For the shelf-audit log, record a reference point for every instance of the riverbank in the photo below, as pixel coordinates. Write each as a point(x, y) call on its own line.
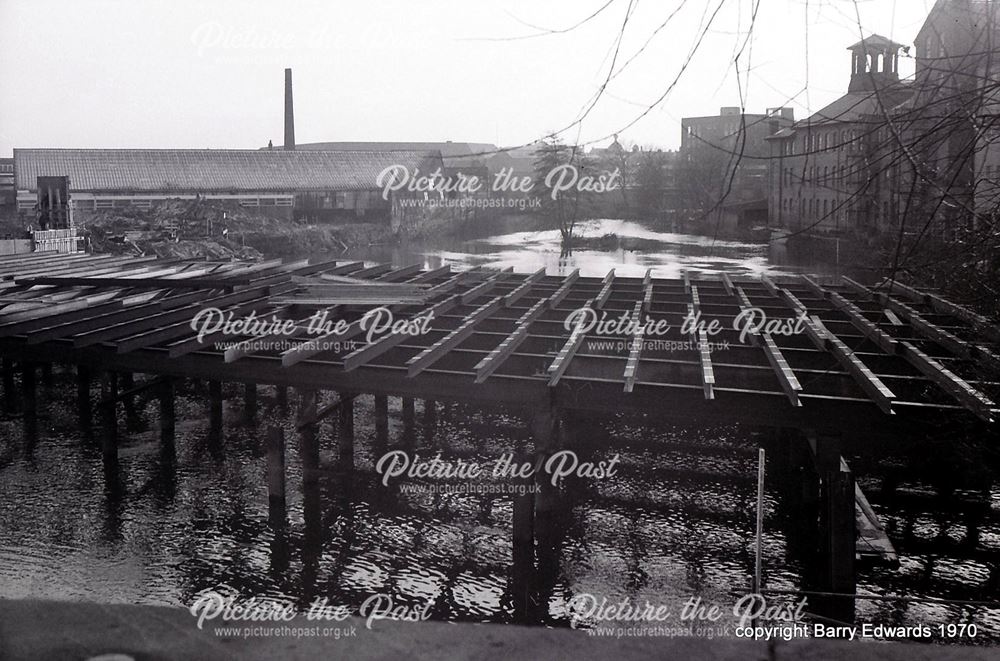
point(210, 229)
point(56, 631)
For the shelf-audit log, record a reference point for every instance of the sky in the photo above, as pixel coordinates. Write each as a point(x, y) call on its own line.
point(200, 74)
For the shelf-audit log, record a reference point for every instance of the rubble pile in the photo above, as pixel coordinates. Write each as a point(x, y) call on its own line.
point(194, 229)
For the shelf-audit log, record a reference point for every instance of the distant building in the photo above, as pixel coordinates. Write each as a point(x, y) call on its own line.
point(722, 166)
point(834, 171)
point(317, 185)
point(926, 150)
point(6, 183)
point(955, 128)
point(468, 159)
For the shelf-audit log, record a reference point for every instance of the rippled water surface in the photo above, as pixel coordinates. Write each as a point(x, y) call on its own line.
point(676, 521)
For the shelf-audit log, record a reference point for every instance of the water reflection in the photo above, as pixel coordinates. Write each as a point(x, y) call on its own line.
point(167, 522)
point(627, 246)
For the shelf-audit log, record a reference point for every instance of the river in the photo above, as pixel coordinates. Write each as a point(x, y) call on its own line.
point(676, 521)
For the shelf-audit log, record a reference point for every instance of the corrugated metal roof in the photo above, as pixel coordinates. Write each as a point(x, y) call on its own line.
point(446, 148)
point(185, 170)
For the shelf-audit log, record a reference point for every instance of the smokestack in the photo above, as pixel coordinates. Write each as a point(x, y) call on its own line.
point(289, 115)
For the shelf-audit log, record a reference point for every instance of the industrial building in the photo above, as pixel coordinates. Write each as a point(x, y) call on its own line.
point(823, 168)
point(317, 185)
point(339, 185)
point(722, 165)
point(892, 149)
point(6, 183)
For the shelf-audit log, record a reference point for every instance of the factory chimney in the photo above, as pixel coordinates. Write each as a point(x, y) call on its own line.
point(289, 115)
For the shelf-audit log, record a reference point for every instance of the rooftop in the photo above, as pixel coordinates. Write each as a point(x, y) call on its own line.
point(876, 41)
point(165, 170)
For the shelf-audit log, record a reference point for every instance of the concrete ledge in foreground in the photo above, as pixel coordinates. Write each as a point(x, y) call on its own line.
point(71, 631)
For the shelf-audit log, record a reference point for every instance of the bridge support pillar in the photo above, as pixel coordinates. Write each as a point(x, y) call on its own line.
point(523, 567)
point(838, 528)
point(29, 392)
point(168, 417)
point(83, 402)
point(381, 425)
point(346, 429)
point(47, 376)
point(249, 403)
point(109, 418)
point(276, 471)
point(8, 384)
point(430, 419)
point(132, 419)
point(408, 420)
point(308, 438)
point(532, 509)
point(215, 408)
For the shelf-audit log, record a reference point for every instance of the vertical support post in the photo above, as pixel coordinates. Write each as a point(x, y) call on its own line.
point(168, 417)
point(308, 439)
point(132, 421)
point(381, 425)
point(523, 567)
point(47, 376)
point(809, 476)
point(29, 388)
point(109, 415)
point(84, 407)
point(430, 420)
point(839, 536)
point(346, 413)
point(838, 528)
point(281, 395)
point(8, 384)
point(758, 558)
point(408, 417)
point(249, 403)
point(544, 428)
point(276, 471)
point(215, 408)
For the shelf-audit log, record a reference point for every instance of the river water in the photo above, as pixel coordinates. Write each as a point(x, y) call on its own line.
point(675, 522)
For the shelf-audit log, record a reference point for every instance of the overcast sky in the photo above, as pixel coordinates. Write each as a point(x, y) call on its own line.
point(183, 73)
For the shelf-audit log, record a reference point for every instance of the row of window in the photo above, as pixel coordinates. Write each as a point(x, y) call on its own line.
point(833, 210)
point(118, 203)
point(824, 176)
